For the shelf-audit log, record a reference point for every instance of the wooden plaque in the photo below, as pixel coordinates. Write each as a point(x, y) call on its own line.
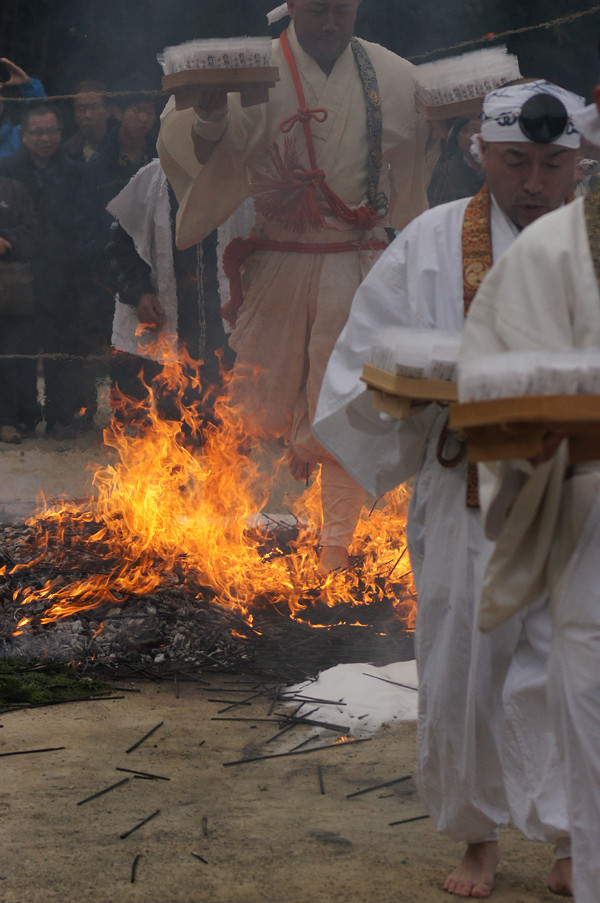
point(393, 394)
point(470, 108)
point(252, 83)
point(504, 428)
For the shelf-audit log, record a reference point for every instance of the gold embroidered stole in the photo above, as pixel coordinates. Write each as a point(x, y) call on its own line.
point(591, 209)
point(477, 261)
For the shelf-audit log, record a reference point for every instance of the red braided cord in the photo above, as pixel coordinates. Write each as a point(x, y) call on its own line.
point(237, 252)
point(363, 217)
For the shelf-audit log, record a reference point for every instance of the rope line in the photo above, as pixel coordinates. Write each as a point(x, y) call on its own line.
point(494, 36)
point(471, 42)
point(56, 356)
point(487, 38)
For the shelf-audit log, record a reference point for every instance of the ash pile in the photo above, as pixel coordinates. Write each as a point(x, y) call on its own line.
point(182, 629)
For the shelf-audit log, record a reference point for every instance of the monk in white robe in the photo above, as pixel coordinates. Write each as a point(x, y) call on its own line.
point(544, 295)
point(474, 765)
point(373, 153)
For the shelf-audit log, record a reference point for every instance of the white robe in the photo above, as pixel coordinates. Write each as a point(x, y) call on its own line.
point(544, 294)
point(143, 209)
point(296, 304)
point(418, 282)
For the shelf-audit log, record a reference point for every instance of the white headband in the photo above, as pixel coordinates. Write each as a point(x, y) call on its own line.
point(501, 116)
point(278, 13)
point(588, 123)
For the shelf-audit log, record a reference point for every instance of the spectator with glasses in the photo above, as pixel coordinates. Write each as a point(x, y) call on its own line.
point(15, 82)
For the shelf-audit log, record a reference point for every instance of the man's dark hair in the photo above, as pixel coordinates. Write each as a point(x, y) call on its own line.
point(40, 108)
point(90, 87)
point(133, 89)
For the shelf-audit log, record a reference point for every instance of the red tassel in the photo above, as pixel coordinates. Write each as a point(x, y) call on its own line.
point(234, 257)
point(286, 195)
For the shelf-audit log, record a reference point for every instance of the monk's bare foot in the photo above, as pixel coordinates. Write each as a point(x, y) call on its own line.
point(560, 880)
point(333, 558)
point(474, 876)
point(299, 469)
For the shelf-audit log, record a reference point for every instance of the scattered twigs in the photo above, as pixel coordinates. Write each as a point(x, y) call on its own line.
point(245, 701)
point(321, 782)
point(394, 682)
point(298, 752)
point(145, 737)
point(405, 777)
point(205, 825)
point(176, 687)
point(139, 825)
point(305, 742)
point(295, 697)
point(405, 821)
point(280, 733)
point(27, 752)
point(253, 720)
point(144, 774)
point(134, 867)
point(274, 700)
point(102, 792)
point(398, 560)
point(201, 858)
point(43, 705)
point(327, 725)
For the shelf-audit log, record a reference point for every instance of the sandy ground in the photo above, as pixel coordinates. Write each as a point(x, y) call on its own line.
point(266, 830)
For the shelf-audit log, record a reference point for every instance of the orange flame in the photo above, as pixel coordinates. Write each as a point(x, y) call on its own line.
point(167, 512)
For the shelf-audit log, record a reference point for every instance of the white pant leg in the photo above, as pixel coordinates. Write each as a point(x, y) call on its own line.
point(534, 773)
point(461, 673)
point(574, 692)
point(341, 499)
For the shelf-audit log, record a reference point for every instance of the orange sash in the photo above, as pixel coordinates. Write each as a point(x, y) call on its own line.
point(476, 262)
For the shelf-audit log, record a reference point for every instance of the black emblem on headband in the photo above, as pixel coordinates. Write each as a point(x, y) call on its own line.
point(543, 118)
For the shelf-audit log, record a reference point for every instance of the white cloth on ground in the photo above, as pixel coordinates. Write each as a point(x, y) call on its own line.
point(418, 282)
point(544, 294)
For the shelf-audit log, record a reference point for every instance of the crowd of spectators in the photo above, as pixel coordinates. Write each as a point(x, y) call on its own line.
point(60, 165)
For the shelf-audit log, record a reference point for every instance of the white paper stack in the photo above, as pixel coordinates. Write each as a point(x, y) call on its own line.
point(417, 353)
point(514, 373)
point(216, 53)
point(464, 77)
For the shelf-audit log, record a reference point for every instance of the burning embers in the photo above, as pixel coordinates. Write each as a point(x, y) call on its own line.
point(170, 516)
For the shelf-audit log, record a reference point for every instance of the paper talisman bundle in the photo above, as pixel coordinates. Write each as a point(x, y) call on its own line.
point(411, 365)
point(455, 86)
point(510, 401)
point(241, 65)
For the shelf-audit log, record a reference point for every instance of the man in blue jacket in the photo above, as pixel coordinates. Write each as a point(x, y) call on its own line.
point(10, 132)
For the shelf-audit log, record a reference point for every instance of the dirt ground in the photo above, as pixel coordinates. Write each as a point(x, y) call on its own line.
point(267, 832)
point(262, 832)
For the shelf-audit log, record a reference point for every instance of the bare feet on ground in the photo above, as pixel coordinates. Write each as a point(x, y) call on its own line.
point(333, 558)
point(300, 470)
point(474, 876)
point(560, 880)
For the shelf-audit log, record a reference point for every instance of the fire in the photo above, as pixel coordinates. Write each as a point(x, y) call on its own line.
point(168, 511)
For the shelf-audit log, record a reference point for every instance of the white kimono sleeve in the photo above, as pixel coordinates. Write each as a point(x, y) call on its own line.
point(535, 297)
point(417, 282)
